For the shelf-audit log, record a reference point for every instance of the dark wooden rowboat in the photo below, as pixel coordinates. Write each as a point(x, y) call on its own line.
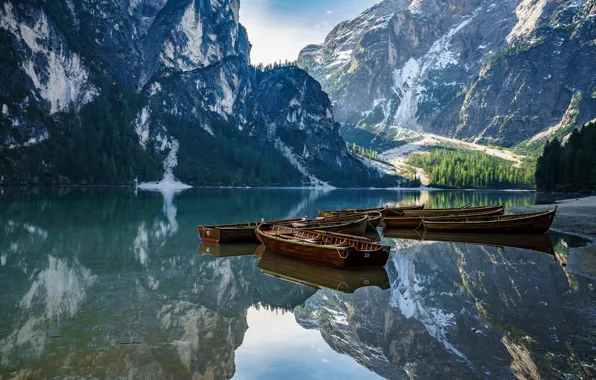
point(327, 248)
point(228, 250)
point(234, 233)
point(535, 242)
point(452, 211)
point(348, 226)
point(318, 276)
point(383, 210)
point(413, 222)
point(374, 218)
point(517, 223)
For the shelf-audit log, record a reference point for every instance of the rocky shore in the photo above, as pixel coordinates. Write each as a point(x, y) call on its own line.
point(577, 216)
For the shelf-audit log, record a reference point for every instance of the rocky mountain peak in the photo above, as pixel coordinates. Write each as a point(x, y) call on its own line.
point(129, 84)
point(429, 66)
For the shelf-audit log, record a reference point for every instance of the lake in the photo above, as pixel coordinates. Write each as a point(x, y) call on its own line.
point(113, 283)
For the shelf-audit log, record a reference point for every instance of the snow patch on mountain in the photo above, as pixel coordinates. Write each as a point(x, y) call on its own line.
point(408, 80)
point(169, 181)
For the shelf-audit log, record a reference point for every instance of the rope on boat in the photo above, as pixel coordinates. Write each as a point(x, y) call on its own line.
point(340, 255)
point(370, 224)
point(421, 223)
point(340, 285)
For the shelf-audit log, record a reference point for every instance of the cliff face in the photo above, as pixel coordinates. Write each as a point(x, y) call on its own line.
point(180, 70)
point(498, 73)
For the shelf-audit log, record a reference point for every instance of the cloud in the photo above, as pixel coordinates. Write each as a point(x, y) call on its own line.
point(278, 30)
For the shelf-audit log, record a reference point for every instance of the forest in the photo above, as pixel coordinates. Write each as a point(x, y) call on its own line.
point(452, 168)
point(569, 167)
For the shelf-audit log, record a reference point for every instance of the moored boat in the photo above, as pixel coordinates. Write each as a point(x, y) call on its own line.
point(327, 248)
point(233, 233)
point(536, 222)
point(383, 210)
point(349, 226)
point(318, 276)
point(453, 211)
point(413, 222)
point(375, 218)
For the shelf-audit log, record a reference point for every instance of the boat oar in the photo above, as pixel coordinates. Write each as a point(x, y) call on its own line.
point(341, 235)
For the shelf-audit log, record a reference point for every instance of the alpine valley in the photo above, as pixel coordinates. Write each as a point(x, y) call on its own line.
point(120, 92)
point(125, 91)
point(500, 76)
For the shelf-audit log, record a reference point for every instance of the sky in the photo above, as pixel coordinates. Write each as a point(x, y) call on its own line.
point(279, 29)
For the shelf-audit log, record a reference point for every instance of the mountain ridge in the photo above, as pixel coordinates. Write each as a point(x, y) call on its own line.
point(127, 83)
point(477, 71)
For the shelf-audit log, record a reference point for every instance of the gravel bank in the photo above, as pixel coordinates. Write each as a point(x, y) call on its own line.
point(576, 216)
point(573, 215)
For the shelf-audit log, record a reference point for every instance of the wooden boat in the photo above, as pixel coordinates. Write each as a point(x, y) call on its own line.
point(452, 211)
point(318, 276)
point(234, 233)
point(518, 223)
point(535, 242)
point(244, 232)
point(348, 226)
point(413, 222)
point(383, 210)
point(327, 248)
point(228, 250)
point(375, 218)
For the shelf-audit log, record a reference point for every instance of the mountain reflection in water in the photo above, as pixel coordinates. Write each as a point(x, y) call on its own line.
point(109, 283)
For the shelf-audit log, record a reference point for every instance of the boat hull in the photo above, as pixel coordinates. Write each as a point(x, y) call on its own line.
point(413, 222)
point(514, 224)
point(452, 211)
point(233, 233)
point(356, 228)
point(383, 210)
point(328, 255)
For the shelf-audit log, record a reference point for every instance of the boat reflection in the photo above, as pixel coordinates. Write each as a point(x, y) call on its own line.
point(228, 250)
point(534, 242)
point(318, 276)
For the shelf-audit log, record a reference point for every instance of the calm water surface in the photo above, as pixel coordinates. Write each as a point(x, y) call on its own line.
point(113, 284)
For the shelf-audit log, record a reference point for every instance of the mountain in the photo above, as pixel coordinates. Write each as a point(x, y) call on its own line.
point(120, 91)
point(510, 73)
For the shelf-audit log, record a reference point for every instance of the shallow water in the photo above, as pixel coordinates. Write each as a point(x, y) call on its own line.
point(112, 283)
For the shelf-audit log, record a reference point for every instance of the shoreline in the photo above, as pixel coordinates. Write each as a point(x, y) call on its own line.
point(576, 215)
point(143, 186)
